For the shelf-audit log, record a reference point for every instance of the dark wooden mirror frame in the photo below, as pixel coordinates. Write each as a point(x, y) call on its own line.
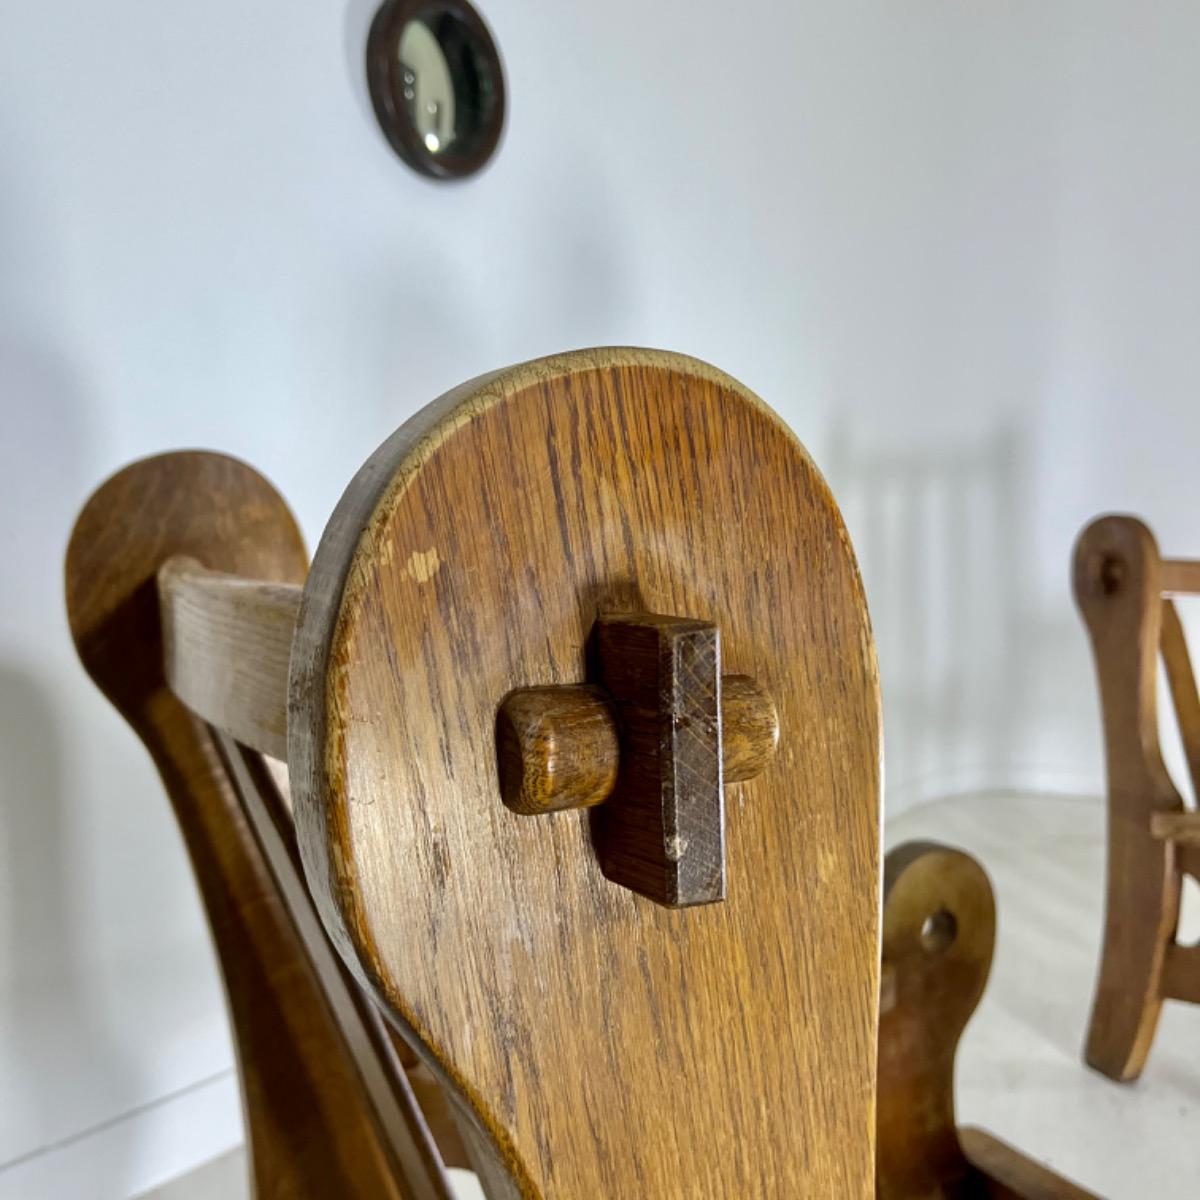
point(466, 156)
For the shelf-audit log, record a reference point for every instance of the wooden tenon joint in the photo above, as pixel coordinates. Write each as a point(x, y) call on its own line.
point(649, 745)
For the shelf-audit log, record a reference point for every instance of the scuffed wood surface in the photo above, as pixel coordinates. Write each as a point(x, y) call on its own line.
point(603, 1045)
point(662, 832)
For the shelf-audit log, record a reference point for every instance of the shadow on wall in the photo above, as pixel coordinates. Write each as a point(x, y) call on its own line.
point(941, 535)
point(47, 1002)
point(59, 1059)
point(985, 670)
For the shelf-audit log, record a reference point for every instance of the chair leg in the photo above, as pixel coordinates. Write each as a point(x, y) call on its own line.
point(1142, 909)
point(1118, 581)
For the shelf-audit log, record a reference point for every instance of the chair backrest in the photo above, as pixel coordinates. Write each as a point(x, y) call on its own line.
point(551, 622)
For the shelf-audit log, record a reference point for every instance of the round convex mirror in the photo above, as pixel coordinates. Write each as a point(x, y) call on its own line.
point(437, 85)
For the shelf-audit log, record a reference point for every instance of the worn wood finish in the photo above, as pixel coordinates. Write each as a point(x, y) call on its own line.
point(662, 832)
point(604, 1045)
point(365, 1043)
point(559, 747)
point(1119, 583)
point(939, 929)
point(310, 1130)
point(556, 748)
point(749, 728)
point(227, 642)
point(226, 646)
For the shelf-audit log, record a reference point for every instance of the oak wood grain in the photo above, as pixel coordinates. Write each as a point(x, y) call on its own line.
point(603, 1045)
point(365, 1045)
point(749, 728)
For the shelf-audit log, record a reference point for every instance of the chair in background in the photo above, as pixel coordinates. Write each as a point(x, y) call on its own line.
point(534, 890)
point(1123, 588)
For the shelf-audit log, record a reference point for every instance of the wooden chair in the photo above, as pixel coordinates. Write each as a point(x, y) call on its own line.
point(1123, 588)
point(534, 891)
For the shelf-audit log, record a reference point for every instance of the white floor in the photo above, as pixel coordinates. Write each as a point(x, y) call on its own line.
point(1020, 1073)
point(225, 1179)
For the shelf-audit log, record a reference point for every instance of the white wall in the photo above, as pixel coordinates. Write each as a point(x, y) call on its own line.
point(954, 244)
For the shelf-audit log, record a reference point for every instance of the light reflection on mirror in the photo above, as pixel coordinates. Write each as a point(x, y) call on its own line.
point(428, 86)
point(437, 85)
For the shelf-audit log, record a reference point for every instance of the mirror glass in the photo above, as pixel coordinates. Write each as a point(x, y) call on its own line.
point(428, 88)
point(437, 85)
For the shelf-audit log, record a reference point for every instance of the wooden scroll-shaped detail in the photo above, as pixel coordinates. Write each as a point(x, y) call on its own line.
point(317, 1124)
point(939, 928)
point(653, 743)
point(1123, 587)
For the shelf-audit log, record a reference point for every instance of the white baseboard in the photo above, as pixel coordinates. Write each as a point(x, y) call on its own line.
point(133, 1152)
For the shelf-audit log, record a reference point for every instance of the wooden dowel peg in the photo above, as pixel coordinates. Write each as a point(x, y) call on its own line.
point(749, 728)
point(558, 747)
